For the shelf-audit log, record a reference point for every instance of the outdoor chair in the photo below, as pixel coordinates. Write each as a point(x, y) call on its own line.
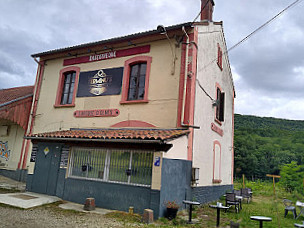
point(231, 200)
point(289, 207)
point(245, 194)
point(238, 195)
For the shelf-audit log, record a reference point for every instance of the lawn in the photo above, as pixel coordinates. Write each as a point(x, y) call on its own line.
point(263, 203)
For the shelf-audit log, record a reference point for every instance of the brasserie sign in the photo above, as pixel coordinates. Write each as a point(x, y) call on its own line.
point(107, 55)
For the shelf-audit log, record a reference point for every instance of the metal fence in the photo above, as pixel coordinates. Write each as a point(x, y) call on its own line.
point(112, 165)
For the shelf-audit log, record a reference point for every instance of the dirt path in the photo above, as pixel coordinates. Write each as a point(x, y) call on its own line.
point(51, 216)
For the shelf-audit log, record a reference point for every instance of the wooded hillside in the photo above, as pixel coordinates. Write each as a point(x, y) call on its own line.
point(262, 145)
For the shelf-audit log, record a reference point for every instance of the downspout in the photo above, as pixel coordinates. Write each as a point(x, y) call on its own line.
point(34, 108)
point(185, 79)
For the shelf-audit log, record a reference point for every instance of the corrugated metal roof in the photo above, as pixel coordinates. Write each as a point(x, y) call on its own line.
point(117, 39)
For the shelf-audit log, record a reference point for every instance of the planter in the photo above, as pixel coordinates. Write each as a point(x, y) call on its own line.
point(171, 213)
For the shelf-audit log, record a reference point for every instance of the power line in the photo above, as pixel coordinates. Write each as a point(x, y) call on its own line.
point(246, 38)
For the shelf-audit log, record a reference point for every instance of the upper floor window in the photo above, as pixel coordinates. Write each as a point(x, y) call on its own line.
point(219, 57)
point(66, 91)
point(68, 88)
point(136, 80)
point(220, 97)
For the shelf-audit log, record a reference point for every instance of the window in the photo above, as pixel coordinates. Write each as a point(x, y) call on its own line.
point(112, 165)
point(68, 82)
point(136, 80)
point(68, 88)
point(219, 57)
point(220, 100)
point(216, 162)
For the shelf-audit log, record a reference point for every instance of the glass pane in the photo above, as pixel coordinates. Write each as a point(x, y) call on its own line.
point(67, 78)
point(79, 162)
point(142, 168)
point(142, 81)
point(119, 165)
point(73, 76)
point(143, 68)
point(141, 93)
point(132, 94)
point(133, 82)
point(97, 163)
point(66, 88)
point(64, 98)
point(134, 70)
point(70, 98)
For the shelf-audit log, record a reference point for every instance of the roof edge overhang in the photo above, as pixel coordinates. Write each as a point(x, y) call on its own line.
point(111, 40)
point(155, 141)
point(160, 145)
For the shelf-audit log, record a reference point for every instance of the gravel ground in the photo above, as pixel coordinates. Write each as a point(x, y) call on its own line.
point(52, 216)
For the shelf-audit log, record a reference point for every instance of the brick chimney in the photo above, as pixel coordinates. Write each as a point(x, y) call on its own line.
point(206, 9)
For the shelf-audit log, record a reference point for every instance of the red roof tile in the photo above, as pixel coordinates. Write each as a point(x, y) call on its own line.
point(143, 134)
point(11, 94)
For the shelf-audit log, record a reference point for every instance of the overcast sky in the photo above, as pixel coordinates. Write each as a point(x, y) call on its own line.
point(268, 69)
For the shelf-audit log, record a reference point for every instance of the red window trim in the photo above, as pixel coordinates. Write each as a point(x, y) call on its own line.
point(60, 86)
point(217, 181)
point(126, 77)
point(219, 57)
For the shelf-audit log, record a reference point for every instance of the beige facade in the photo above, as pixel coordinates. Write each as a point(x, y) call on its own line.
point(11, 137)
point(160, 111)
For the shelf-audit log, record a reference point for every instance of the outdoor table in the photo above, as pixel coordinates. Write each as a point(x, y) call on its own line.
point(301, 206)
point(299, 225)
point(191, 203)
point(261, 219)
point(218, 207)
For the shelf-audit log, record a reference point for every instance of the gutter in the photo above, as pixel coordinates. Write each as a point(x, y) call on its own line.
point(15, 100)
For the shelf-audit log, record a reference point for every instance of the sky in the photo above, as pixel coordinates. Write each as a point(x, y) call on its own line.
point(268, 68)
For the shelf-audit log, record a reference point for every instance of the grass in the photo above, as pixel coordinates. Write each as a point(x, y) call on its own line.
point(264, 203)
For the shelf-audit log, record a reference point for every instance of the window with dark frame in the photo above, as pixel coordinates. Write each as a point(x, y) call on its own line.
point(137, 82)
point(68, 88)
point(220, 96)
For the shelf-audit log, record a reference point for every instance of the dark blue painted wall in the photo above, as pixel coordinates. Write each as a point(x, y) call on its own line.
point(18, 175)
point(176, 182)
point(207, 194)
point(110, 195)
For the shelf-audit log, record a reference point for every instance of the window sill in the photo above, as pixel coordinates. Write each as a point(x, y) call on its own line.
point(64, 106)
point(134, 102)
point(218, 121)
point(216, 181)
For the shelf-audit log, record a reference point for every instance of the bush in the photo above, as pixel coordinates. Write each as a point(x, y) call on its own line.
point(292, 177)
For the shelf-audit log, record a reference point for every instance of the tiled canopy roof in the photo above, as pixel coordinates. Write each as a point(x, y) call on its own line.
point(7, 95)
point(117, 134)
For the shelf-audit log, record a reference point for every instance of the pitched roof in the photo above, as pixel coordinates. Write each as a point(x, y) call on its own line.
point(12, 94)
point(112, 134)
point(112, 40)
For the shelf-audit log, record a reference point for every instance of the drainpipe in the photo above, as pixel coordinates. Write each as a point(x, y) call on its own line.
point(41, 65)
point(185, 79)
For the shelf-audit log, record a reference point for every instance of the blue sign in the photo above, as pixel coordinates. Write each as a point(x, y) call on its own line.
point(157, 161)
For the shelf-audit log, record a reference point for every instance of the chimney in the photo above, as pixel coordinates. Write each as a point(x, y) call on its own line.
point(206, 10)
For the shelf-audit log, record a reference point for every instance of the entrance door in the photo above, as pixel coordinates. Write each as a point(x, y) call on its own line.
point(46, 169)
